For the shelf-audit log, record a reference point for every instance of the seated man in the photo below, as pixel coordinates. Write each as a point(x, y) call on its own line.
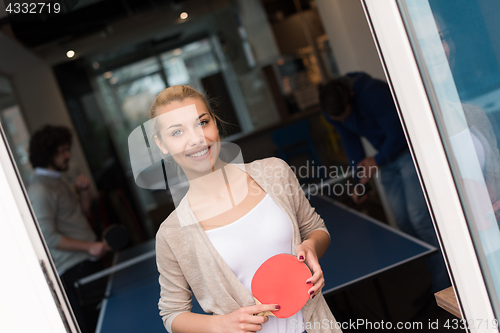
point(62, 216)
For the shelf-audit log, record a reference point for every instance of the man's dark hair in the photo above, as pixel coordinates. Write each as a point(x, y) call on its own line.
point(45, 143)
point(334, 97)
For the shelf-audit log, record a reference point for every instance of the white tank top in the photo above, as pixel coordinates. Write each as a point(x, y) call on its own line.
point(249, 241)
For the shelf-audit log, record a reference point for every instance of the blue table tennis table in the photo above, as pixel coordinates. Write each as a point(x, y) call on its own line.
point(361, 248)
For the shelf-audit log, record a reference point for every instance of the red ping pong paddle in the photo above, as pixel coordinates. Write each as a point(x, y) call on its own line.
point(116, 237)
point(281, 280)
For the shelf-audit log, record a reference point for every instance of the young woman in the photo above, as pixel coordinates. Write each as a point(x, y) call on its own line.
point(232, 219)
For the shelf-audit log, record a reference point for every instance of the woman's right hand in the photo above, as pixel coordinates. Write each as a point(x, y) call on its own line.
point(244, 319)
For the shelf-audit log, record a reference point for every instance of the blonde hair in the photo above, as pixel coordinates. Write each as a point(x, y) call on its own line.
point(179, 93)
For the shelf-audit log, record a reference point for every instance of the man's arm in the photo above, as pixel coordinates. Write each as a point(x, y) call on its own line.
point(356, 154)
point(351, 142)
point(82, 185)
point(44, 205)
point(96, 249)
point(383, 109)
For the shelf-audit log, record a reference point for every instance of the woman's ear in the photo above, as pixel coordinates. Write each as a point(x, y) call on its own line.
point(160, 145)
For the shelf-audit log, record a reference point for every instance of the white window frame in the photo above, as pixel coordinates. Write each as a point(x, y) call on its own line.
point(402, 72)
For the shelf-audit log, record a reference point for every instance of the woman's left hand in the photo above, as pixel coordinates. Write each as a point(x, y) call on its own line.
point(306, 253)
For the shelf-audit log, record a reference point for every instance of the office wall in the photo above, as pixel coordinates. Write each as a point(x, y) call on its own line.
point(350, 37)
point(38, 94)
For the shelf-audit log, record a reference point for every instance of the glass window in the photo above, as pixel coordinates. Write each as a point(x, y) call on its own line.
point(190, 63)
point(458, 52)
point(136, 98)
point(132, 71)
point(127, 93)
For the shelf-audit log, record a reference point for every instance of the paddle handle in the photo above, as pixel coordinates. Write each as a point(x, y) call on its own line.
point(265, 313)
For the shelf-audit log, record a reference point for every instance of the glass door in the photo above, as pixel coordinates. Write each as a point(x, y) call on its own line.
point(442, 60)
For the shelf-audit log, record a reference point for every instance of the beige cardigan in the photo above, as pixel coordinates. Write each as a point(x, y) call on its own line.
point(187, 260)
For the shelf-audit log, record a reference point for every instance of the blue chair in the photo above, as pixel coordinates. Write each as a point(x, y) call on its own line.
point(294, 140)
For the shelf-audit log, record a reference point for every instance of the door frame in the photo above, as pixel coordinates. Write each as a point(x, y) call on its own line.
point(421, 131)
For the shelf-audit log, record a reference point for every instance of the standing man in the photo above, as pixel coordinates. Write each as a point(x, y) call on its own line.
point(359, 106)
point(62, 216)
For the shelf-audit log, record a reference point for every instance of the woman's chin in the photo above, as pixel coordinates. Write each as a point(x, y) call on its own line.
point(201, 168)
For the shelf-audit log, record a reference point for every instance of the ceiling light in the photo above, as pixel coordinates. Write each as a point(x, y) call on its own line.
point(107, 75)
point(70, 54)
point(184, 15)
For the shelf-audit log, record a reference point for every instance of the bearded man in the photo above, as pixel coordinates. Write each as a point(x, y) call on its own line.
point(62, 216)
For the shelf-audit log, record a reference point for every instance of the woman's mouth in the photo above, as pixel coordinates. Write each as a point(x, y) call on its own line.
point(200, 155)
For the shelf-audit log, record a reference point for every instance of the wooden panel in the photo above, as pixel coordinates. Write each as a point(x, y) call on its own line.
point(447, 300)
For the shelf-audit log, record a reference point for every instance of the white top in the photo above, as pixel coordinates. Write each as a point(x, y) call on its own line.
point(249, 241)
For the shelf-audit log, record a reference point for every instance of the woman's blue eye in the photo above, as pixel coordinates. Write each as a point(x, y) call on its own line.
point(179, 132)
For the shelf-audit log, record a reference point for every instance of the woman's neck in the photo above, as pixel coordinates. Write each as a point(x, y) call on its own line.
point(217, 184)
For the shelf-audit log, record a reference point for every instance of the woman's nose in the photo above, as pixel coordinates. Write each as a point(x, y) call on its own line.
point(196, 136)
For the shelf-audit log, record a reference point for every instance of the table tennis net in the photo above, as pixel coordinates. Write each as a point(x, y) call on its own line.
point(87, 285)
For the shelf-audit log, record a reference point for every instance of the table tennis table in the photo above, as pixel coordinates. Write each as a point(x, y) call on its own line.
point(360, 248)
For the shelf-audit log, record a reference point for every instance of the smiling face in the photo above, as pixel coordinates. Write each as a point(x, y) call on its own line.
point(189, 133)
